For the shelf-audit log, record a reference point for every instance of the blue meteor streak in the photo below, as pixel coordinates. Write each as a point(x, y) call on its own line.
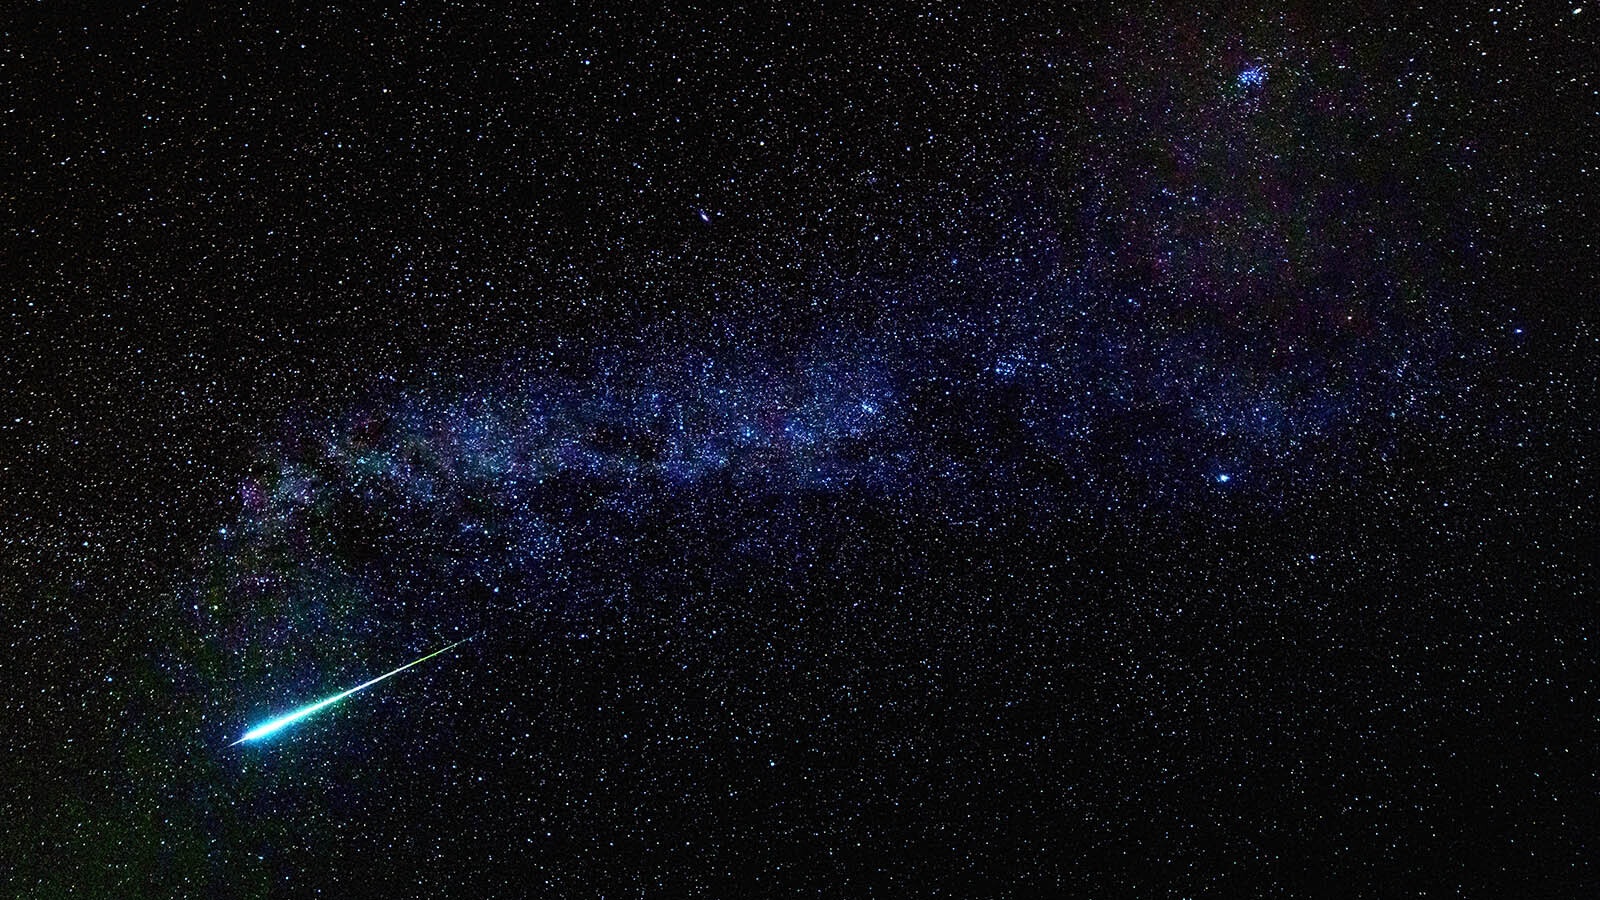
point(283, 721)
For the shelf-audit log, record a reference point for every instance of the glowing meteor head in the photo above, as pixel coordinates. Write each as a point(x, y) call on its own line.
point(272, 726)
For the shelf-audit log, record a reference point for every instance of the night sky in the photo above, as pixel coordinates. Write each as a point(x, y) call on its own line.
point(1101, 450)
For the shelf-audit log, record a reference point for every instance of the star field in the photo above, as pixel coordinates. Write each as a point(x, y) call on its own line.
point(1091, 450)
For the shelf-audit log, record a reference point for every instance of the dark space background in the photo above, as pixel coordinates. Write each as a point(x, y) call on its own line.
point(1102, 449)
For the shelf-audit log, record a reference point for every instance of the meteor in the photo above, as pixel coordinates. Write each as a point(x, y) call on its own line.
point(274, 725)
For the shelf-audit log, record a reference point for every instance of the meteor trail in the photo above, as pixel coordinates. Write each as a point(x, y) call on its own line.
point(273, 725)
